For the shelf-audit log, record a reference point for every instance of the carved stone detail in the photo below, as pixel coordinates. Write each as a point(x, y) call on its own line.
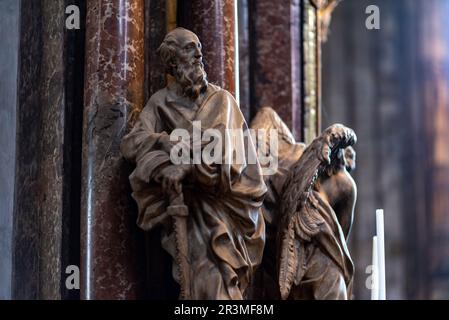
point(213, 214)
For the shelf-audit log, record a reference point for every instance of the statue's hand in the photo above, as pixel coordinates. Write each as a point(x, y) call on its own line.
point(335, 137)
point(172, 176)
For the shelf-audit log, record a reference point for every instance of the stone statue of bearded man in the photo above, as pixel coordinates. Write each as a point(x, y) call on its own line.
point(220, 241)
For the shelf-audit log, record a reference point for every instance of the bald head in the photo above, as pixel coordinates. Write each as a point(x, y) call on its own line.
point(181, 37)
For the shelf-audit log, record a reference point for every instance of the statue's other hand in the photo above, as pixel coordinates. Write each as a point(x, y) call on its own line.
point(172, 176)
point(336, 137)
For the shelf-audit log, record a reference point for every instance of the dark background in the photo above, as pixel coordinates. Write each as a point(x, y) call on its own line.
point(392, 86)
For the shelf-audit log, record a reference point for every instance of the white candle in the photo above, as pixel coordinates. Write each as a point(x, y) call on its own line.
point(381, 253)
point(374, 272)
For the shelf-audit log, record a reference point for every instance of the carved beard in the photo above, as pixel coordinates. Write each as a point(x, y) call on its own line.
point(192, 78)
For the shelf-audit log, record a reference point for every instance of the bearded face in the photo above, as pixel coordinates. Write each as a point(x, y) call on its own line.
point(181, 53)
point(190, 74)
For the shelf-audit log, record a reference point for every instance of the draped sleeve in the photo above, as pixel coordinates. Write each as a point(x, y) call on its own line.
point(143, 148)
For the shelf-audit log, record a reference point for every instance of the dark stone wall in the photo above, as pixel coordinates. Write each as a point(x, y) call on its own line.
point(155, 29)
point(74, 106)
point(9, 43)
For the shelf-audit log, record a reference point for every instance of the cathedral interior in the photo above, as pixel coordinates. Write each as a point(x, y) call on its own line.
point(75, 73)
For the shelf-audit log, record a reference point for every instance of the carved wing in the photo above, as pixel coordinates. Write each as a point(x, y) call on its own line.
point(266, 118)
point(299, 220)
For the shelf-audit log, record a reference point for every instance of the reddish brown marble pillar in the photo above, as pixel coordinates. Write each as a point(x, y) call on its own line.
point(214, 23)
point(114, 91)
point(275, 66)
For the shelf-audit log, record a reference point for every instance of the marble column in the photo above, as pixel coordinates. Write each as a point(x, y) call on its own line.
point(275, 65)
point(214, 23)
point(53, 143)
point(45, 186)
point(111, 255)
point(9, 42)
point(39, 215)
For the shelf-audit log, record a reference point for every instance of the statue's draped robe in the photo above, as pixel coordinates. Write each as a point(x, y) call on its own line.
point(329, 268)
point(226, 231)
